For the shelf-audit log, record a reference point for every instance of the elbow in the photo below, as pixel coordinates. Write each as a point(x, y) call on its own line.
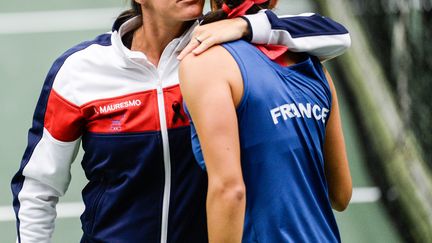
point(230, 193)
point(340, 206)
point(340, 200)
point(346, 41)
point(341, 45)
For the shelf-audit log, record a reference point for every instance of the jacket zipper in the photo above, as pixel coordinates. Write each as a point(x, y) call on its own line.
point(167, 163)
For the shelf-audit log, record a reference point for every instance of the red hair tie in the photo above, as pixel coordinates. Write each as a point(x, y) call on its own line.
point(274, 52)
point(241, 9)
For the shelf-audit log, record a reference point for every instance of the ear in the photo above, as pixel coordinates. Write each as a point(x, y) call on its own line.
point(139, 1)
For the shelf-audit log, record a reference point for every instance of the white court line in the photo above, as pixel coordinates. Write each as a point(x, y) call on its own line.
point(58, 21)
point(75, 209)
point(365, 195)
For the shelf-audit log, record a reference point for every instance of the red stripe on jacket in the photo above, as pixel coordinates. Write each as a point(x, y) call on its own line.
point(137, 112)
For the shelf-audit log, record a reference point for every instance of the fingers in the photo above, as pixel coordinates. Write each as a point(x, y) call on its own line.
point(188, 49)
point(206, 36)
point(199, 35)
point(197, 47)
point(209, 35)
point(205, 45)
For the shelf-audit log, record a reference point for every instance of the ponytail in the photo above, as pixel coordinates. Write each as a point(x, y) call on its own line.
point(224, 5)
point(128, 14)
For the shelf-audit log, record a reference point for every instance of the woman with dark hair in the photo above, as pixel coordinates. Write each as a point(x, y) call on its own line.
point(268, 124)
point(119, 96)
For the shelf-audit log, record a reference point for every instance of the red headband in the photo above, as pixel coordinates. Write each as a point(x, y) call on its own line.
point(241, 9)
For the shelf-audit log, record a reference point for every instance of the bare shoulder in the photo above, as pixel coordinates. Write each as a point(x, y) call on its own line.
point(213, 54)
point(216, 62)
point(214, 71)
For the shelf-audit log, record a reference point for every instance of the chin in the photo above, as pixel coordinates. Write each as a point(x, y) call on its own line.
point(192, 10)
point(191, 14)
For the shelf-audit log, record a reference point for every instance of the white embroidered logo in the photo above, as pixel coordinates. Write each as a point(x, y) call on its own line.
point(117, 106)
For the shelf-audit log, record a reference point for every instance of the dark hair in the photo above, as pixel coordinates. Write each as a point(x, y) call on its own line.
point(219, 14)
point(128, 14)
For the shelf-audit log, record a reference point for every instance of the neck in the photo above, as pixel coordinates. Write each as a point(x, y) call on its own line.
point(155, 34)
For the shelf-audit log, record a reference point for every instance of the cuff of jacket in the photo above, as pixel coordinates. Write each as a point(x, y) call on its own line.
point(260, 27)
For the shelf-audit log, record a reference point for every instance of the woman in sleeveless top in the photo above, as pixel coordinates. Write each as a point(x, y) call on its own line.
point(267, 129)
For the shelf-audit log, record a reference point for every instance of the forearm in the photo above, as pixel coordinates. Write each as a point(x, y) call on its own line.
point(225, 213)
point(311, 33)
point(43, 177)
point(36, 212)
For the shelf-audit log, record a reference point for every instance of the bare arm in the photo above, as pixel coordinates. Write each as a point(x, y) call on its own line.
point(209, 98)
point(336, 162)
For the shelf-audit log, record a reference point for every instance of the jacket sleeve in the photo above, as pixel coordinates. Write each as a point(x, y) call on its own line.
point(309, 32)
point(44, 173)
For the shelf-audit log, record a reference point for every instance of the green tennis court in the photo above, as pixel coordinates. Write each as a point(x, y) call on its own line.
point(34, 34)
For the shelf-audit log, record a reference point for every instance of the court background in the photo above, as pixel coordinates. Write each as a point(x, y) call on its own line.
point(34, 33)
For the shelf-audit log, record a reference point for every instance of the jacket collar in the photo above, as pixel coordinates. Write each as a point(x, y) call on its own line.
point(139, 58)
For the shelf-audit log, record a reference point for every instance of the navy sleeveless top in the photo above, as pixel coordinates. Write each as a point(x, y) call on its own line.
point(282, 119)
